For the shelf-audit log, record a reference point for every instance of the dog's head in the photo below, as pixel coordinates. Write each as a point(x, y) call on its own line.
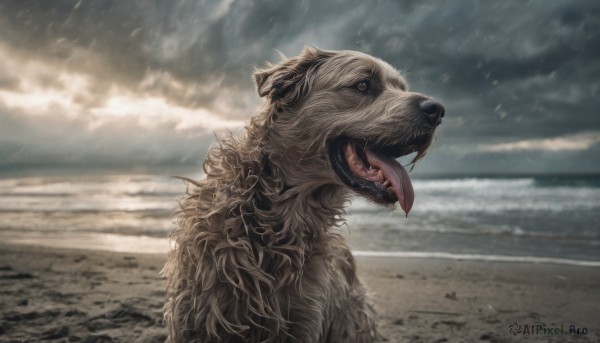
point(347, 116)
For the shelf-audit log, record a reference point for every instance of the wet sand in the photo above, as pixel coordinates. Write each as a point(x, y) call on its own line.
point(65, 295)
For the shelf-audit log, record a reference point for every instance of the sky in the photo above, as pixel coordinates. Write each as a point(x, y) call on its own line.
point(150, 83)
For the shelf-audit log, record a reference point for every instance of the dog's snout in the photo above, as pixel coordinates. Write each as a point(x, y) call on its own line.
point(433, 111)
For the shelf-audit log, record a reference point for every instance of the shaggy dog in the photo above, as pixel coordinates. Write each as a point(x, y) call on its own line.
point(257, 255)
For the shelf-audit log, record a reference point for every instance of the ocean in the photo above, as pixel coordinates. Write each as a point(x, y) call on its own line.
point(535, 217)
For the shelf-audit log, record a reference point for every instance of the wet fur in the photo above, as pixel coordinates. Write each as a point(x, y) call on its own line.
point(257, 255)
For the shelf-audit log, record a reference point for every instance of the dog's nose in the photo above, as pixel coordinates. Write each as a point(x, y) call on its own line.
point(433, 111)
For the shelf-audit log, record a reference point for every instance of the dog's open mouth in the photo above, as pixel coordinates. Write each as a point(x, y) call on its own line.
point(373, 171)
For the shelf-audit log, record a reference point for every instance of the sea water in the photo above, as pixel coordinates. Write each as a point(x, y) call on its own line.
point(537, 216)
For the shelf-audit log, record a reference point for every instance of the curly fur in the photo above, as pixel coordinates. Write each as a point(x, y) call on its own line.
point(256, 256)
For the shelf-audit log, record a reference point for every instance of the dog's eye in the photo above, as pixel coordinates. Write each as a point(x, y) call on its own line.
point(363, 86)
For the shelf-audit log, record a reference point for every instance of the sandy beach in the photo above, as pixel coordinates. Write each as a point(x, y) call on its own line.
point(63, 295)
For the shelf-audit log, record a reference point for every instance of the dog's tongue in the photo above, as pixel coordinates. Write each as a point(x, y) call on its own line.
point(397, 175)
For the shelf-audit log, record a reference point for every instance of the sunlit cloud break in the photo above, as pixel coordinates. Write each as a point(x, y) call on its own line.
point(149, 110)
point(43, 89)
point(579, 141)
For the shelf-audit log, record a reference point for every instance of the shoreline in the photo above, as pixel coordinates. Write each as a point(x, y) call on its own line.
point(152, 245)
point(97, 296)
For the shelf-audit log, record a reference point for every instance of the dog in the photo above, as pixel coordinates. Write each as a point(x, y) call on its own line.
point(258, 256)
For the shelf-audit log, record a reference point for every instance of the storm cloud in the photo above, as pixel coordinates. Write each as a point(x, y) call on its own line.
point(147, 82)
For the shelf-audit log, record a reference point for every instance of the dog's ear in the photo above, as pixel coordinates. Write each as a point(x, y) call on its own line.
point(286, 83)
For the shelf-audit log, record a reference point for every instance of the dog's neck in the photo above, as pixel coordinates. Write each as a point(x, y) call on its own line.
point(299, 201)
point(291, 203)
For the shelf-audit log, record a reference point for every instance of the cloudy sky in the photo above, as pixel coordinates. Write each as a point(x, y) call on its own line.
point(146, 83)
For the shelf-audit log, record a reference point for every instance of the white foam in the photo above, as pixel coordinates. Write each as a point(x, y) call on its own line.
point(472, 183)
point(477, 257)
point(494, 196)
